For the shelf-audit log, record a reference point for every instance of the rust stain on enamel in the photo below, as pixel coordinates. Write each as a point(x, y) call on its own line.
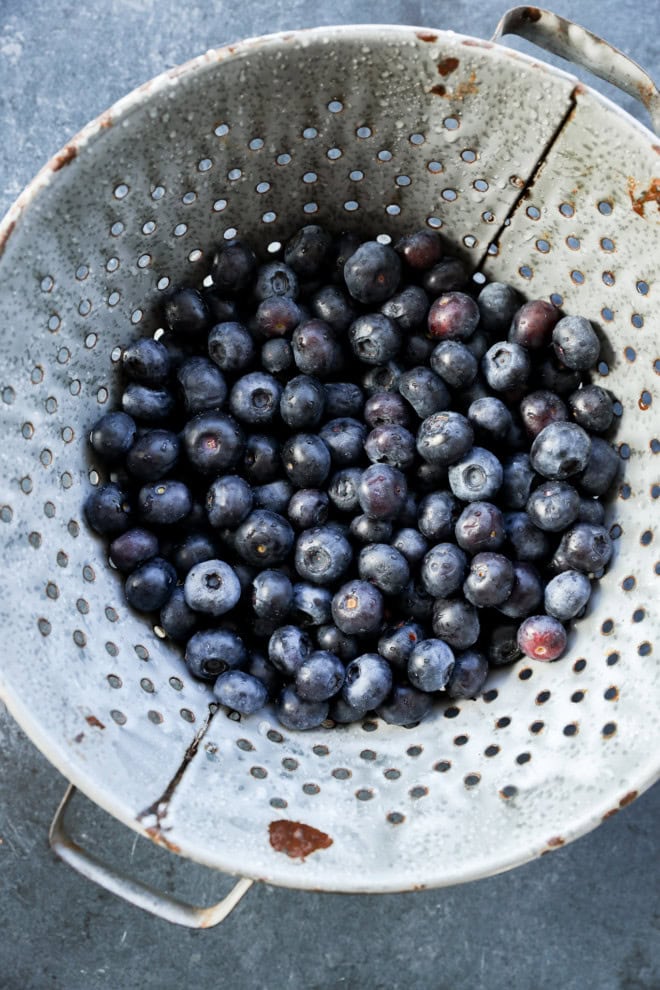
point(93, 721)
point(64, 157)
point(295, 839)
point(156, 835)
point(627, 798)
point(650, 195)
point(447, 66)
point(427, 36)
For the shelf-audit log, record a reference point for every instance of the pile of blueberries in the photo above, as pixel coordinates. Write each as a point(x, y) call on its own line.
point(349, 479)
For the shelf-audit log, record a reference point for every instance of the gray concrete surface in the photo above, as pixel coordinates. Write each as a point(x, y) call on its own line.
point(585, 917)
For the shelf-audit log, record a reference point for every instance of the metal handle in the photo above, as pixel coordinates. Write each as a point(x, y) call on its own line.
point(133, 891)
point(576, 44)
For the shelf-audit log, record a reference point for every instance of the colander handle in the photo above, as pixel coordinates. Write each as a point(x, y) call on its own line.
point(570, 41)
point(142, 895)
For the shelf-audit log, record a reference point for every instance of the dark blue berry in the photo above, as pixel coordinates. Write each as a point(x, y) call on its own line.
point(262, 459)
point(372, 272)
point(332, 639)
point(454, 363)
point(264, 538)
point(490, 580)
point(306, 460)
point(456, 622)
point(164, 502)
point(591, 511)
point(316, 350)
point(332, 306)
point(554, 376)
point(417, 350)
point(202, 384)
point(302, 402)
point(468, 674)
point(221, 310)
point(449, 275)
point(421, 250)
point(107, 510)
point(382, 491)
point(386, 409)
point(532, 325)
point(234, 267)
point(276, 355)
point(506, 366)
point(453, 316)
point(186, 312)
point(149, 586)
point(277, 316)
point(585, 548)
point(560, 451)
point(405, 705)
point(228, 501)
point(196, 548)
point(272, 594)
point(366, 529)
point(576, 343)
point(480, 527)
point(149, 405)
point(407, 309)
point(429, 478)
point(443, 570)
point(241, 692)
point(424, 391)
point(319, 677)
point(540, 409)
point(322, 555)
point(260, 667)
point(502, 644)
point(526, 594)
point(497, 304)
point(308, 250)
point(411, 544)
point(382, 377)
point(255, 398)
point(567, 594)
point(490, 419)
point(212, 587)
point(477, 476)
point(231, 347)
point(213, 442)
point(553, 506)
point(343, 399)
point(368, 682)
point(275, 495)
point(517, 481)
point(312, 604)
point(430, 665)
point(344, 438)
point(390, 444)
point(385, 567)
point(132, 548)
point(374, 338)
point(177, 619)
point(213, 651)
point(288, 647)
point(592, 408)
point(295, 713)
point(436, 515)
point(397, 643)
point(147, 361)
point(357, 608)
point(308, 507)
point(528, 542)
point(601, 469)
point(276, 279)
point(414, 602)
point(153, 455)
point(112, 436)
point(444, 437)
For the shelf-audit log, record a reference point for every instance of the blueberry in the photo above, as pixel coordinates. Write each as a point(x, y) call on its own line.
point(456, 622)
point(517, 481)
point(153, 455)
point(601, 469)
point(449, 275)
point(368, 681)
point(332, 639)
point(443, 570)
point(147, 361)
point(480, 527)
point(502, 644)
point(444, 437)
point(202, 384)
point(272, 595)
point(260, 667)
point(505, 366)
point(490, 419)
point(477, 477)
point(407, 309)
point(478, 344)
point(528, 542)
point(302, 402)
point(294, 713)
point(567, 594)
point(386, 409)
point(527, 592)
point(560, 451)
point(397, 643)
point(554, 376)
point(366, 529)
point(453, 316)
point(308, 507)
point(357, 608)
point(541, 637)
point(585, 548)
point(276, 279)
point(213, 651)
point(276, 355)
point(255, 398)
point(228, 501)
point(262, 460)
point(430, 665)
point(414, 602)
point(375, 338)
point(277, 316)
point(592, 408)
point(372, 273)
point(344, 246)
point(382, 491)
point(186, 312)
point(429, 478)
point(385, 567)
point(308, 250)
point(312, 604)
point(424, 390)
point(234, 267)
point(194, 549)
point(454, 363)
point(213, 442)
point(112, 436)
point(382, 378)
point(231, 347)
point(319, 677)
point(436, 515)
point(390, 444)
point(149, 405)
point(221, 310)
point(315, 349)
point(322, 555)
point(420, 250)
point(576, 343)
point(417, 349)
point(411, 544)
point(468, 674)
point(344, 438)
point(497, 304)
point(275, 495)
point(540, 409)
point(306, 460)
point(264, 538)
point(343, 399)
point(591, 511)
point(149, 586)
point(212, 587)
point(288, 647)
point(405, 706)
point(176, 618)
point(132, 548)
point(553, 506)
point(409, 511)
point(241, 692)
point(490, 580)
point(332, 306)
point(107, 510)
point(164, 502)
point(533, 324)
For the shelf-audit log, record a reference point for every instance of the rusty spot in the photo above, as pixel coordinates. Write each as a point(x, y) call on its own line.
point(627, 799)
point(7, 234)
point(427, 36)
point(650, 195)
point(579, 89)
point(156, 835)
point(529, 14)
point(105, 120)
point(656, 148)
point(473, 43)
point(295, 839)
point(64, 157)
point(439, 90)
point(447, 66)
point(516, 181)
point(79, 737)
point(610, 814)
point(93, 721)
point(556, 841)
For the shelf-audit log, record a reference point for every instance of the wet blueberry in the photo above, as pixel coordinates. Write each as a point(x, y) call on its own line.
point(255, 398)
point(387, 409)
point(560, 451)
point(585, 548)
point(506, 366)
point(241, 692)
point(276, 355)
point(453, 316)
point(177, 619)
point(153, 455)
point(107, 510)
point(308, 507)
point(272, 595)
point(526, 594)
point(576, 343)
point(212, 651)
point(430, 665)
point(601, 469)
point(533, 324)
point(480, 527)
point(385, 567)
point(288, 647)
point(262, 460)
point(213, 442)
point(366, 529)
point(502, 644)
point(449, 275)
point(302, 402)
point(436, 515)
point(517, 481)
point(212, 587)
point(264, 538)
point(147, 361)
point(343, 399)
point(528, 542)
point(497, 304)
point(228, 501)
point(312, 604)
point(275, 495)
point(186, 312)
point(374, 338)
point(490, 580)
point(306, 460)
point(454, 363)
point(372, 272)
point(308, 250)
point(319, 677)
point(540, 409)
point(592, 408)
point(112, 436)
point(397, 643)
point(332, 639)
point(477, 476)
point(424, 390)
point(368, 681)
point(411, 544)
point(202, 384)
point(295, 713)
point(132, 548)
point(456, 622)
point(405, 705)
point(444, 437)
point(542, 637)
point(149, 586)
point(234, 267)
point(567, 594)
point(148, 405)
point(382, 491)
point(316, 350)
point(194, 549)
point(408, 309)
point(490, 419)
point(333, 306)
point(443, 570)
point(276, 279)
point(231, 347)
point(468, 674)
point(357, 608)
point(421, 250)
point(322, 555)
point(390, 444)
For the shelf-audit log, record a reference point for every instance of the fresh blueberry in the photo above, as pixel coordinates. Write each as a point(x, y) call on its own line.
point(542, 637)
point(592, 408)
point(107, 510)
point(517, 481)
point(553, 506)
point(312, 604)
point(526, 594)
point(454, 363)
point(397, 643)
point(456, 622)
point(288, 647)
point(497, 304)
point(390, 444)
point(407, 309)
point(332, 639)
point(477, 477)
point(319, 677)
point(213, 442)
point(165, 502)
point(601, 469)
point(262, 459)
point(382, 378)
point(576, 343)
point(231, 347)
point(436, 515)
point(147, 361)
point(308, 507)
point(343, 247)
point(255, 398)
point(505, 366)
point(410, 542)
point(443, 570)
point(302, 402)
point(409, 511)
point(148, 405)
point(368, 681)
point(295, 713)
point(453, 316)
point(234, 267)
point(260, 667)
point(202, 384)
point(382, 491)
point(221, 310)
point(429, 478)
point(264, 538)
point(528, 542)
point(366, 529)
point(308, 250)
point(424, 390)
point(306, 460)
point(272, 594)
point(478, 344)
point(276, 279)
point(567, 594)
point(212, 587)
point(417, 349)
point(176, 618)
point(540, 409)
point(387, 409)
point(343, 399)
point(149, 586)
point(316, 350)
point(213, 651)
point(194, 549)
point(490, 419)
point(533, 324)
point(405, 705)
point(276, 355)
point(385, 567)
point(132, 548)
point(502, 644)
point(228, 501)
point(186, 312)
point(357, 608)
point(414, 602)
point(585, 548)
point(560, 451)
point(480, 527)
point(372, 272)
point(468, 674)
point(241, 692)
point(554, 376)
point(449, 275)
point(375, 338)
point(490, 580)
point(112, 436)
point(332, 306)
point(275, 495)
point(153, 455)
point(322, 555)
point(444, 437)
point(420, 250)
point(277, 316)
point(591, 511)
point(430, 665)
